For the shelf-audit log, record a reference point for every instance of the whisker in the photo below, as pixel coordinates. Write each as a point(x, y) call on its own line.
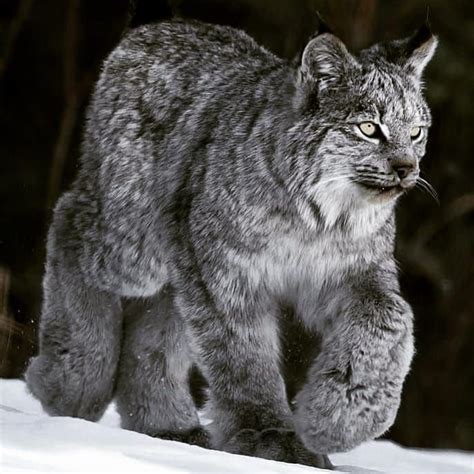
point(430, 188)
point(372, 171)
point(375, 179)
point(423, 188)
point(423, 184)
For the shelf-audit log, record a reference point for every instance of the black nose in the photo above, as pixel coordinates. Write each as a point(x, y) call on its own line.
point(403, 168)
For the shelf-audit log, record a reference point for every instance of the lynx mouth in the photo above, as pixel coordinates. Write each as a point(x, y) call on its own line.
point(383, 190)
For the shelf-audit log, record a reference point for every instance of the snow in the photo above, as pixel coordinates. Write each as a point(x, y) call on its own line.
point(31, 441)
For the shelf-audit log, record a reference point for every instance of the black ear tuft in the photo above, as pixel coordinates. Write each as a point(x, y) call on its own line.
point(412, 53)
point(323, 27)
point(420, 37)
point(419, 49)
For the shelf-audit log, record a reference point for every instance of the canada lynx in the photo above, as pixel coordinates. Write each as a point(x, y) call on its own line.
point(218, 184)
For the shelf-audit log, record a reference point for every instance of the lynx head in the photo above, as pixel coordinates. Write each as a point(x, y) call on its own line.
point(362, 125)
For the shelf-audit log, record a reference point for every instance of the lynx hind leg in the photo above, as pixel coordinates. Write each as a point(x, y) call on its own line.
point(153, 394)
point(73, 375)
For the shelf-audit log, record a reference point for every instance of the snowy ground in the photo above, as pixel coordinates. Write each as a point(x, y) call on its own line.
point(30, 441)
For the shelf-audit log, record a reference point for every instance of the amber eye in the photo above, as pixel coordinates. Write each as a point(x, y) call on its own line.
point(415, 133)
point(369, 129)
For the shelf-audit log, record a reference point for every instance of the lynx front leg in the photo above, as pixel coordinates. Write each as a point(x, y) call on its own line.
point(237, 348)
point(354, 387)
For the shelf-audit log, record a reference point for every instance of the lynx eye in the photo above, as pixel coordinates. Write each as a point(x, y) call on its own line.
point(369, 129)
point(415, 133)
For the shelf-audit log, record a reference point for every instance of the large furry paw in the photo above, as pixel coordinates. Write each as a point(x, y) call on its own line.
point(62, 391)
point(46, 378)
point(334, 415)
point(197, 436)
point(277, 445)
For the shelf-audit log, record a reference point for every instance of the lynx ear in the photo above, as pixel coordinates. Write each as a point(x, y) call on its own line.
point(421, 47)
point(326, 61)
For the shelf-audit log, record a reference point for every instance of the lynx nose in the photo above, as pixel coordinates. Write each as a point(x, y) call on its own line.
point(403, 167)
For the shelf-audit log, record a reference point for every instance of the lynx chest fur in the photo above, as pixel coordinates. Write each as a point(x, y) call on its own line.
point(301, 267)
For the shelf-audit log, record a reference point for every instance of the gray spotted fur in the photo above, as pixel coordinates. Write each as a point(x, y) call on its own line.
point(217, 183)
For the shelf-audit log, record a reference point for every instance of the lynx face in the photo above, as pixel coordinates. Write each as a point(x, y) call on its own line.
point(369, 119)
point(377, 146)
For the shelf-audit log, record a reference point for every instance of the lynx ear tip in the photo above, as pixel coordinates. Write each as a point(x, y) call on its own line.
point(422, 36)
point(424, 31)
point(427, 18)
point(323, 27)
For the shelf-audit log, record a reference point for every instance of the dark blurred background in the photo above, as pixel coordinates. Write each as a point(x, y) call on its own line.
point(51, 53)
